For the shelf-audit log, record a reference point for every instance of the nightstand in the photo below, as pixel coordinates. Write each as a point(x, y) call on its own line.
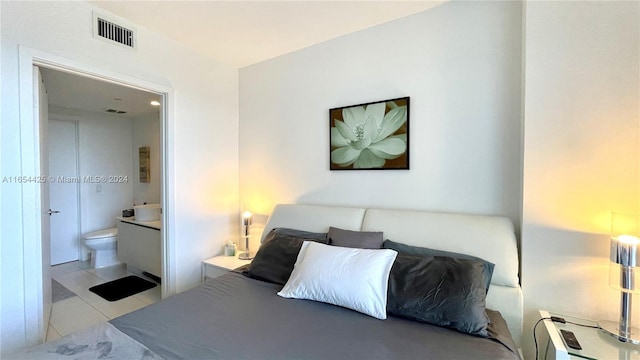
point(595, 343)
point(219, 265)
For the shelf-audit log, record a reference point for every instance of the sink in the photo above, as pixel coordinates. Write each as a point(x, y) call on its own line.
point(149, 212)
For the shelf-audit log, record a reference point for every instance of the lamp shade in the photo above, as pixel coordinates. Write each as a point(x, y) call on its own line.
point(246, 222)
point(624, 255)
point(246, 218)
point(624, 250)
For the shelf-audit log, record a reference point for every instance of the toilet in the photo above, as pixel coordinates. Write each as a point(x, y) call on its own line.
point(103, 245)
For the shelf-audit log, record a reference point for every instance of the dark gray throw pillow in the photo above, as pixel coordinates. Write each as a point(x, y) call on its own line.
point(405, 249)
point(439, 290)
point(355, 239)
point(277, 255)
point(308, 235)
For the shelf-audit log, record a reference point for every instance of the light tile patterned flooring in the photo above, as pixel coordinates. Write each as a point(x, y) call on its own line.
point(88, 309)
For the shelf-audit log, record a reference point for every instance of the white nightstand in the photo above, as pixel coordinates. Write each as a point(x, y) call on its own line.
point(595, 343)
point(219, 265)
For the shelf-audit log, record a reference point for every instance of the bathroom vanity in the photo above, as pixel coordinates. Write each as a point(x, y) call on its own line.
point(139, 245)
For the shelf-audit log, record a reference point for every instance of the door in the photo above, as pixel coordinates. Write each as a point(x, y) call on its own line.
point(41, 113)
point(63, 191)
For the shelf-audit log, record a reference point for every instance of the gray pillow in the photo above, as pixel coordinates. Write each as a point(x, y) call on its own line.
point(297, 233)
point(277, 255)
point(442, 291)
point(405, 249)
point(355, 239)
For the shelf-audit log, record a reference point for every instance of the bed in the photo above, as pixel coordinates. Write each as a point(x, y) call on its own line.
point(239, 316)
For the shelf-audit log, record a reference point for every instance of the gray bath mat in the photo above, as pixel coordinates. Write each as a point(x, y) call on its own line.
point(59, 292)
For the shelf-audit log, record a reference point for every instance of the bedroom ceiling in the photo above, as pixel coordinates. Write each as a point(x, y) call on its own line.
point(241, 33)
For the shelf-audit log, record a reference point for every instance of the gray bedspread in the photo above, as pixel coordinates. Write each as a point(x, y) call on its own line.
point(235, 317)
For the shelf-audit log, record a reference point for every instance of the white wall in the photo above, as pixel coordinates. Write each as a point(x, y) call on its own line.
point(146, 132)
point(104, 149)
point(459, 63)
point(581, 152)
point(204, 129)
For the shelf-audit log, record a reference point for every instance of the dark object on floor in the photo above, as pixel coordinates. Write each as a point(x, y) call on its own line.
point(157, 279)
point(59, 292)
point(122, 288)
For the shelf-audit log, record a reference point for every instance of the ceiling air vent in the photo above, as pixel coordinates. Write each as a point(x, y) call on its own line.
point(114, 111)
point(108, 29)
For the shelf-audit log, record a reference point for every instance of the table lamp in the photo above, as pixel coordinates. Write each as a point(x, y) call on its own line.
point(625, 239)
point(246, 222)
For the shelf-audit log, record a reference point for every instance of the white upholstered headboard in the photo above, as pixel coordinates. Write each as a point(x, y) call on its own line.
point(491, 238)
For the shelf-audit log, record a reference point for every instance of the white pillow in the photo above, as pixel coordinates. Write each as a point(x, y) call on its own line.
point(353, 278)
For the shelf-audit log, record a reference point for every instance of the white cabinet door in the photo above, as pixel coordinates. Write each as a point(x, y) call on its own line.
point(139, 247)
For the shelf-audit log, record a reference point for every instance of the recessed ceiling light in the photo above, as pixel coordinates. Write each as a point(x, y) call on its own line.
point(155, 103)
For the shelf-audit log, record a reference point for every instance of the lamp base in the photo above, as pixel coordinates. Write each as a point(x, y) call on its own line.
point(613, 329)
point(245, 256)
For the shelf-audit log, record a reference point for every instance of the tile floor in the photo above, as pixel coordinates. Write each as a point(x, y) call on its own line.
point(88, 309)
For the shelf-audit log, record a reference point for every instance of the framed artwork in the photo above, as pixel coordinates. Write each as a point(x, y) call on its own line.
point(143, 157)
point(371, 136)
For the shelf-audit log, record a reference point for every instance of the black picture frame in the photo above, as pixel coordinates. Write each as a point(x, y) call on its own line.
point(370, 136)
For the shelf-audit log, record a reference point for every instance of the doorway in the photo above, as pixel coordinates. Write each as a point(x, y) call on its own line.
point(36, 280)
point(96, 131)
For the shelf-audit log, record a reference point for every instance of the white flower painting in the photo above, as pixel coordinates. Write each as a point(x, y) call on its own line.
point(370, 136)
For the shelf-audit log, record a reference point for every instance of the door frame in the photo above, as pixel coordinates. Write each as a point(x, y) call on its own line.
point(31, 209)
